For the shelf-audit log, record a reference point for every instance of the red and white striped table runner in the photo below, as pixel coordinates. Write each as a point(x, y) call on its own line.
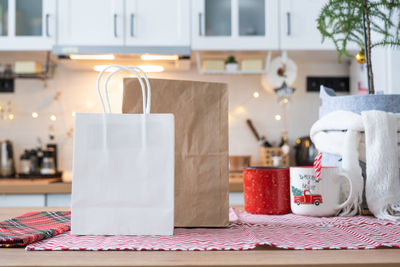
point(246, 231)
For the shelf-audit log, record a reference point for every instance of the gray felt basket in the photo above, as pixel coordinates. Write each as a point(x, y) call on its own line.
point(357, 104)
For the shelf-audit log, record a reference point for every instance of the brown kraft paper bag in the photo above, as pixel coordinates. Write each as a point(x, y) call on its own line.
point(201, 145)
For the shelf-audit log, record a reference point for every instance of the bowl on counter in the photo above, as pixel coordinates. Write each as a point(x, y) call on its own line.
point(237, 163)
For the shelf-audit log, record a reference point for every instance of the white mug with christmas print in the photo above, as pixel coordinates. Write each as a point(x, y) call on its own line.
point(320, 196)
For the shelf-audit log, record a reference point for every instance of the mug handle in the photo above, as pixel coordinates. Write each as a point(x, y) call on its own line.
point(351, 194)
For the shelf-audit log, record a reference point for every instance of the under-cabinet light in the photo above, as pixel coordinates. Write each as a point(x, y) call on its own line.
point(145, 68)
point(92, 57)
point(159, 57)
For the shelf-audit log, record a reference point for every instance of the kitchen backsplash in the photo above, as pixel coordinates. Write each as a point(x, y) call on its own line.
point(74, 91)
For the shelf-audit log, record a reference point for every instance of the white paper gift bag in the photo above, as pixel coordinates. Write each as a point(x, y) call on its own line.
point(123, 169)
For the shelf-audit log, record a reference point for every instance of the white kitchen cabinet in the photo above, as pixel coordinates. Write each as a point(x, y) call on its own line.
point(235, 24)
point(123, 26)
point(27, 24)
point(157, 23)
point(298, 27)
point(90, 22)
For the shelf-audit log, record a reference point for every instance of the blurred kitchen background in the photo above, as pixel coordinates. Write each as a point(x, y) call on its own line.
point(269, 52)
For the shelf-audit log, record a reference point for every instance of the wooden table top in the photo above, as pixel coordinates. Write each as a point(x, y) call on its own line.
point(263, 256)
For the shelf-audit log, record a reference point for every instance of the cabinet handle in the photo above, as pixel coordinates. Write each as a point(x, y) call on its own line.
point(200, 26)
point(289, 24)
point(115, 25)
point(47, 25)
point(132, 25)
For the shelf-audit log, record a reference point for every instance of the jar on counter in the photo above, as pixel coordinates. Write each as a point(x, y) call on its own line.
point(48, 165)
point(34, 162)
point(25, 163)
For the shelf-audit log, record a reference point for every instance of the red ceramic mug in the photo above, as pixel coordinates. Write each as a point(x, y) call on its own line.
point(266, 190)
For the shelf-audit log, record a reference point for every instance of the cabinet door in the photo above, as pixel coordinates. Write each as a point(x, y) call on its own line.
point(211, 24)
point(299, 25)
point(27, 24)
point(234, 24)
point(4, 13)
point(157, 23)
point(257, 22)
point(90, 22)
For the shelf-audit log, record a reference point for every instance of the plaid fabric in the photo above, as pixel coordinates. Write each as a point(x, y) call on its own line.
point(32, 227)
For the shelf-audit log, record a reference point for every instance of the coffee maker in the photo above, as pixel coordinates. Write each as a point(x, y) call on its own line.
point(305, 151)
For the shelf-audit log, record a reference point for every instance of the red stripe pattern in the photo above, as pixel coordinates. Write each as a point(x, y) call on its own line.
point(33, 226)
point(246, 231)
point(318, 166)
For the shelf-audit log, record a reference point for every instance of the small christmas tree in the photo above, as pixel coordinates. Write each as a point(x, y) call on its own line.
point(345, 21)
point(296, 191)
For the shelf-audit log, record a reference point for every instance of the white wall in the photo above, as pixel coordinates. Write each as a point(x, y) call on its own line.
point(393, 57)
point(385, 67)
point(78, 94)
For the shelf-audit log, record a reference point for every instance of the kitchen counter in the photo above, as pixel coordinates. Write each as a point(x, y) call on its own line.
point(39, 186)
point(263, 256)
point(48, 192)
point(20, 186)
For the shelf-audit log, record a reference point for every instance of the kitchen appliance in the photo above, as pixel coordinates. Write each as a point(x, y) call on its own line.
point(305, 151)
point(53, 149)
point(7, 163)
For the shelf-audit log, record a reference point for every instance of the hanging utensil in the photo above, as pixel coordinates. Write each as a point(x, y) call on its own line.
point(262, 140)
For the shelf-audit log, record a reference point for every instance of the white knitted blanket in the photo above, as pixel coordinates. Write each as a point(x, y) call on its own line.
point(340, 133)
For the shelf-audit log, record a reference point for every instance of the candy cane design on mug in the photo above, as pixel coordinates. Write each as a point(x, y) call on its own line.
point(318, 165)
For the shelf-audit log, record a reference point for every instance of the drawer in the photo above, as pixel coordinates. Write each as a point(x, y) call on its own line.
point(22, 200)
point(58, 200)
point(236, 198)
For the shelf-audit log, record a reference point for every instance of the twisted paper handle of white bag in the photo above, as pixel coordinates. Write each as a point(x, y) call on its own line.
point(131, 69)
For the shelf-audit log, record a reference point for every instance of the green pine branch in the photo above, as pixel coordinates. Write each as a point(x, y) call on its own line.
point(367, 23)
point(341, 22)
